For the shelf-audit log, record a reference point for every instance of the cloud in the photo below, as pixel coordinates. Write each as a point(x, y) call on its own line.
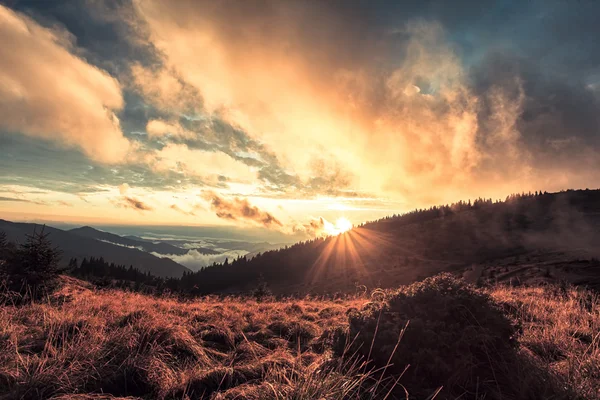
point(133, 203)
point(160, 128)
point(4, 198)
point(22, 200)
point(413, 103)
point(210, 166)
point(349, 125)
point(313, 228)
point(238, 209)
point(180, 210)
point(377, 101)
point(195, 260)
point(165, 89)
point(64, 203)
point(16, 199)
point(46, 91)
point(123, 188)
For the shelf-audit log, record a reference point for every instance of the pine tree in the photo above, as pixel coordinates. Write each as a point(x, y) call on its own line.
point(4, 257)
point(262, 290)
point(72, 264)
point(33, 268)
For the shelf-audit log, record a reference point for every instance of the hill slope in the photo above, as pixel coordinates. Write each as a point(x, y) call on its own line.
point(560, 231)
point(76, 246)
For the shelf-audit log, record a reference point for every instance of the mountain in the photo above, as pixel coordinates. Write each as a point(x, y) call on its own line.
point(147, 246)
point(218, 246)
point(250, 247)
point(161, 247)
point(75, 245)
point(528, 236)
point(137, 238)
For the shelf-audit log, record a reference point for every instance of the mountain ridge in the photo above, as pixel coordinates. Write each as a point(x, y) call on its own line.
point(147, 246)
point(73, 245)
point(554, 228)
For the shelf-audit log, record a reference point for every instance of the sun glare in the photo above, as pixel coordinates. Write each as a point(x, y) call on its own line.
point(341, 225)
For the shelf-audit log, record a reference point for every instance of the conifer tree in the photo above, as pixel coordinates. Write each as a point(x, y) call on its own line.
point(33, 269)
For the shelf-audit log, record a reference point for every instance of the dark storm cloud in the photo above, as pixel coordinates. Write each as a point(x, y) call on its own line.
point(558, 118)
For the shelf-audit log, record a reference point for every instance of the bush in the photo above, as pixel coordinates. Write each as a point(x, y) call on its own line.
point(454, 332)
point(262, 291)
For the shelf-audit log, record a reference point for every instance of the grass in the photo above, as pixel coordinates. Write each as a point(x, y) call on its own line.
point(85, 344)
point(560, 332)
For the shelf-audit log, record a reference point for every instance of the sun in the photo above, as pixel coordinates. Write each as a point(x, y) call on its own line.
point(343, 225)
point(340, 226)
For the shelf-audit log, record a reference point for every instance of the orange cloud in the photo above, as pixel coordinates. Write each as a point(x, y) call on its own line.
point(159, 128)
point(123, 188)
point(347, 106)
point(165, 89)
point(133, 203)
point(238, 209)
point(315, 227)
point(175, 207)
point(209, 165)
point(320, 107)
point(48, 92)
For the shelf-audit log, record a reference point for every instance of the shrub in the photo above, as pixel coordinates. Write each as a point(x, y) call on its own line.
point(454, 332)
point(262, 291)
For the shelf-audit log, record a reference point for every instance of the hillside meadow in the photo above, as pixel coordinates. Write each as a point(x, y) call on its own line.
point(511, 342)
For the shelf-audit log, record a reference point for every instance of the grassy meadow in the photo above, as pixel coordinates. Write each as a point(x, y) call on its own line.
point(83, 343)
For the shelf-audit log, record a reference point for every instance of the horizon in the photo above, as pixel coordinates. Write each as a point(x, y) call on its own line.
point(203, 115)
point(239, 233)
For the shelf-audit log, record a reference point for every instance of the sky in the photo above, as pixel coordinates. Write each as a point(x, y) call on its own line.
point(290, 115)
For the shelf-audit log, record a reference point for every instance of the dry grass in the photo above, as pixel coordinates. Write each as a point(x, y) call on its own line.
point(127, 344)
point(87, 344)
point(560, 332)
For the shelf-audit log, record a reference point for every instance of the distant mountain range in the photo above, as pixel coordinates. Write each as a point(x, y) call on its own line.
point(89, 242)
point(136, 242)
point(160, 257)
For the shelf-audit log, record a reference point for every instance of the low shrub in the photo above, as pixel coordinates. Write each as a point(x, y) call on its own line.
point(453, 332)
